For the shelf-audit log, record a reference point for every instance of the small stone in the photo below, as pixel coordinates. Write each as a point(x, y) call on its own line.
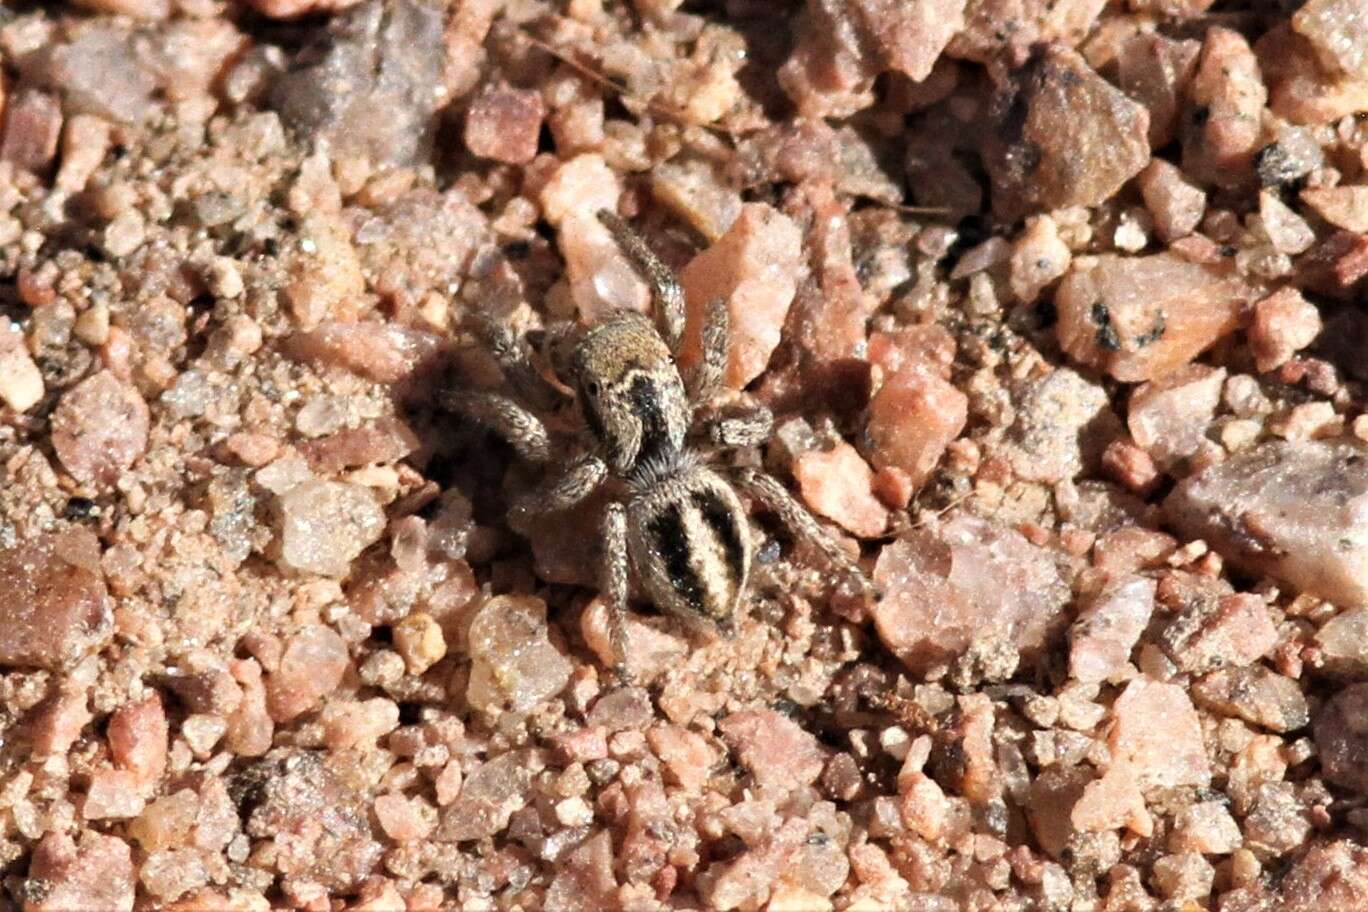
point(754, 267)
point(1169, 416)
point(746, 881)
point(1063, 422)
point(653, 646)
point(386, 441)
point(404, 819)
point(1205, 827)
point(913, 417)
point(1228, 630)
point(419, 639)
point(1222, 122)
point(1184, 877)
point(325, 525)
point(1285, 323)
point(1341, 733)
point(57, 607)
point(963, 581)
point(514, 664)
point(1072, 138)
point(355, 723)
point(776, 750)
point(1291, 510)
point(585, 882)
point(167, 821)
point(1343, 644)
point(687, 757)
point(1330, 877)
point(1112, 802)
point(113, 795)
point(99, 428)
point(1177, 205)
point(21, 383)
point(923, 806)
point(1288, 232)
point(312, 665)
point(1344, 207)
point(33, 125)
point(124, 234)
point(1039, 257)
point(694, 192)
point(1107, 630)
point(1130, 466)
point(837, 484)
point(1293, 155)
point(1338, 30)
point(1255, 694)
point(504, 124)
point(1156, 70)
point(1303, 91)
point(325, 279)
point(1156, 736)
point(1139, 318)
point(137, 736)
point(491, 794)
point(95, 873)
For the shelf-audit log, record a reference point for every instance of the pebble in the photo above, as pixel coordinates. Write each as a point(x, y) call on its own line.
point(58, 607)
point(324, 525)
point(687, 757)
point(86, 140)
point(1288, 232)
point(1344, 207)
point(99, 428)
point(1343, 644)
point(585, 881)
point(1330, 877)
point(1222, 123)
point(311, 667)
point(1107, 629)
point(961, 581)
point(21, 383)
point(1256, 695)
point(1139, 318)
point(1156, 736)
point(504, 124)
point(379, 351)
point(32, 128)
point(1303, 92)
point(1063, 423)
point(113, 795)
point(913, 417)
point(754, 267)
point(1176, 204)
point(1156, 70)
point(1205, 827)
point(138, 736)
point(1073, 140)
point(1039, 257)
point(492, 792)
point(1170, 416)
point(404, 819)
point(777, 752)
point(419, 640)
point(514, 664)
point(1293, 510)
point(94, 872)
point(747, 881)
point(1341, 732)
point(653, 645)
point(1336, 29)
point(695, 193)
point(837, 484)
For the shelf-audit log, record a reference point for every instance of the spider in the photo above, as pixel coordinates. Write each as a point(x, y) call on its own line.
point(653, 435)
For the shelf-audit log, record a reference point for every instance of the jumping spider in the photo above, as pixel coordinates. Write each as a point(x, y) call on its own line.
point(651, 434)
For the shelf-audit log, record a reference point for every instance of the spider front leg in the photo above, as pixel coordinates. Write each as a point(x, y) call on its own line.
point(521, 374)
point(523, 430)
point(615, 563)
point(667, 298)
point(799, 522)
point(706, 379)
point(749, 428)
point(564, 491)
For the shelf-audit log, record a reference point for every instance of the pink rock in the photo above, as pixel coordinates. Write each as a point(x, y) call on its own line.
point(746, 882)
point(964, 580)
point(1112, 802)
point(325, 525)
point(1039, 256)
point(1341, 732)
point(829, 73)
point(836, 483)
point(1176, 204)
point(1156, 70)
point(514, 664)
point(585, 881)
point(696, 193)
point(1344, 207)
point(1063, 422)
point(1139, 318)
point(1107, 629)
point(654, 645)
point(1073, 139)
point(404, 819)
point(1156, 736)
point(1222, 124)
point(1343, 644)
point(1169, 416)
point(313, 664)
point(1295, 511)
point(1034, 23)
point(1256, 695)
point(250, 728)
point(1330, 877)
point(96, 873)
point(1302, 91)
point(1205, 827)
point(923, 806)
point(1336, 30)
point(357, 723)
point(166, 822)
point(912, 419)
point(754, 268)
point(388, 440)
point(57, 722)
point(774, 748)
point(57, 608)
point(1237, 632)
point(100, 428)
point(491, 794)
point(113, 795)
point(504, 124)
point(687, 756)
point(33, 125)
point(21, 383)
point(137, 736)
point(930, 345)
point(379, 351)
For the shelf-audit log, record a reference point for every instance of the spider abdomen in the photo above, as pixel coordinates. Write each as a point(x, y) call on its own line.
point(688, 541)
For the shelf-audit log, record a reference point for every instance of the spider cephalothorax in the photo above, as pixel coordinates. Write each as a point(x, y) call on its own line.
point(678, 520)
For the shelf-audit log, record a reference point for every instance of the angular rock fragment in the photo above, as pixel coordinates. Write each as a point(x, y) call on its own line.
point(489, 797)
point(1169, 416)
point(1063, 423)
point(837, 484)
point(962, 582)
point(1107, 630)
point(1341, 732)
point(1284, 323)
point(1139, 318)
point(1297, 511)
point(778, 752)
point(912, 419)
point(95, 873)
point(325, 525)
point(1330, 877)
point(32, 127)
point(100, 428)
point(311, 667)
point(1063, 136)
point(1255, 694)
point(1222, 123)
point(21, 383)
point(57, 609)
point(504, 124)
point(1344, 207)
point(1032, 24)
point(585, 881)
point(1156, 70)
point(1338, 30)
point(1177, 205)
point(1343, 644)
point(1156, 736)
point(514, 665)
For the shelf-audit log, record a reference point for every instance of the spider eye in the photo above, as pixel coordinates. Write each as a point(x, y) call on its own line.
point(592, 387)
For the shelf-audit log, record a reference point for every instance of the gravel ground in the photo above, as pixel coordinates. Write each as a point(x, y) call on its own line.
point(1059, 306)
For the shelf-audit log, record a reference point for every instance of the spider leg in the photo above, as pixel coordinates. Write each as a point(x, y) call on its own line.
point(614, 584)
point(667, 298)
point(799, 522)
point(706, 379)
point(749, 428)
point(524, 431)
point(577, 482)
point(526, 381)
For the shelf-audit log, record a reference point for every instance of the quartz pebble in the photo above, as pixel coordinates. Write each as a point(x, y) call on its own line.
point(1205, 827)
point(1291, 510)
point(960, 582)
point(1343, 643)
point(776, 751)
point(1139, 318)
point(33, 125)
point(57, 607)
point(1176, 204)
point(586, 881)
point(836, 484)
point(1256, 695)
point(1221, 125)
point(754, 268)
point(913, 417)
point(312, 665)
point(325, 525)
point(1169, 416)
point(1284, 323)
point(100, 428)
point(1063, 422)
point(1341, 731)
point(504, 124)
point(1156, 736)
point(1344, 207)
point(21, 383)
point(137, 736)
point(94, 872)
point(1155, 70)
point(1107, 630)
point(1330, 877)
point(514, 665)
point(492, 792)
point(1336, 30)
